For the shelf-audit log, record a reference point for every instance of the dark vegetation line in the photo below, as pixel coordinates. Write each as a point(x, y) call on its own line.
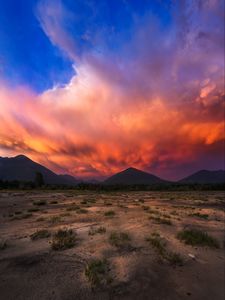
point(18, 185)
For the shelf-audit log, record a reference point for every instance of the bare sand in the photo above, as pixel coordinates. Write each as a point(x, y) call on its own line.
point(30, 269)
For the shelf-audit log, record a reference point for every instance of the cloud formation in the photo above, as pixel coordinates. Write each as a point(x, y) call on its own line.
point(155, 103)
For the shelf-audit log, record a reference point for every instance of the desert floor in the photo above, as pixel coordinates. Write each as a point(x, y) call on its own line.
point(131, 235)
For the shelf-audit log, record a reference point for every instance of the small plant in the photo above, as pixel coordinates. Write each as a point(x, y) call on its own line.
point(196, 237)
point(33, 209)
point(63, 239)
point(82, 211)
point(96, 271)
point(54, 202)
point(145, 207)
point(23, 216)
point(67, 214)
point(160, 246)
point(39, 202)
point(73, 208)
point(91, 200)
point(119, 239)
point(40, 219)
point(99, 230)
point(174, 259)
point(174, 213)
point(40, 234)
point(166, 216)
point(161, 220)
point(109, 213)
point(157, 243)
point(83, 202)
point(3, 245)
point(203, 216)
point(55, 219)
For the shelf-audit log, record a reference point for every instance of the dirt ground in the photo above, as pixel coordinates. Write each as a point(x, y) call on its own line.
point(31, 269)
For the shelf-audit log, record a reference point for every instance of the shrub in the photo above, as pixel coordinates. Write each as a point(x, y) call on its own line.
point(99, 230)
point(161, 220)
point(157, 243)
point(203, 216)
point(23, 216)
point(160, 246)
point(145, 207)
point(33, 209)
point(63, 239)
point(119, 239)
point(55, 219)
point(40, 234)
point(40, 219)
point(82, 211)
point(96, 271)
point(174, 258)
point(39, 202)
point(54, 202)
point(197, 237)
point(109, 213)
point(3, 245)
point(73, 208)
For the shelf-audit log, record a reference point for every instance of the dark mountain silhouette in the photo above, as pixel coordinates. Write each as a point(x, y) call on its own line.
point(205, 176)
point(132, 176)
point(22, 168)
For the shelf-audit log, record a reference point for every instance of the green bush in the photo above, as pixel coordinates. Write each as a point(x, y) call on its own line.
point(99, 230)
point(40, 234)
point(39, 202)
point(119, 239)
point(109, 213)
point(197, 237)
point(96, 271)
point(63, 239)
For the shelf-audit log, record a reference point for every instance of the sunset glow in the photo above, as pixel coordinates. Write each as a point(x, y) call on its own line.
point(137, 90)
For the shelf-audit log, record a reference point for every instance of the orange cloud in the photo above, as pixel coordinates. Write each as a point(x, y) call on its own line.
point(87, 128)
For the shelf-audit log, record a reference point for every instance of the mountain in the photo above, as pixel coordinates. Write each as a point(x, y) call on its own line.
point(205, 176)
point(133, 176)
point(22, 168)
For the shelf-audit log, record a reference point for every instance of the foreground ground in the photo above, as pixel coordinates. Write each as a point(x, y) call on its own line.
point(123, 245)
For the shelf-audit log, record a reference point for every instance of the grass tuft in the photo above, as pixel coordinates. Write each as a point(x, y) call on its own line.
point(99, 230)
point(119, 239)
point(39, 202)
point(3, 245)
point(160, 220)
point(40, 234)
point(96, 271)
point(159, 245)
point(110, 213)
point(55, 219)
point(63, 239)
point(203, 216)
point(197, 237)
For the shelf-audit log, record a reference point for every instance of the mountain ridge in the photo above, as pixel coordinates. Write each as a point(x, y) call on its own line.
point(205, 176)
point(131, 176)
point(22, 168)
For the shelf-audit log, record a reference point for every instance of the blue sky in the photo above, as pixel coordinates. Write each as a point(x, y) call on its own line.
point(28, 56)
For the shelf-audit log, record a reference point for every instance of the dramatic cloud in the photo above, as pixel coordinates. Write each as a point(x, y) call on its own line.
point(156, 103)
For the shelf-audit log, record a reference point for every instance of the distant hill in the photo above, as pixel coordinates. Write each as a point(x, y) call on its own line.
point(132, 176)
point(205, 176)
point(22, 168)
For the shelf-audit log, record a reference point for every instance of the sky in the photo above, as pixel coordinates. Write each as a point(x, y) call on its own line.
point(93, 87)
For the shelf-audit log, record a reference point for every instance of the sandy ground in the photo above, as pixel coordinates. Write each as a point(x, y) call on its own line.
point(32, 270)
